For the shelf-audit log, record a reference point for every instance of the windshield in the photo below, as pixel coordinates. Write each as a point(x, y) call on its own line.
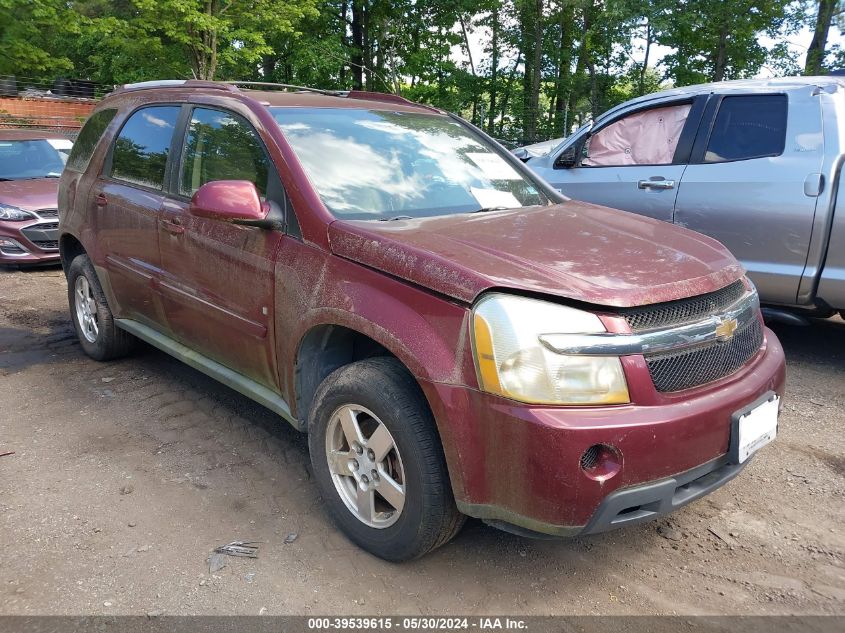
point(369, 164)
point(22, 160)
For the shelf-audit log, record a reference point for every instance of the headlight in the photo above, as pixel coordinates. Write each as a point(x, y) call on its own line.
point(512, 362)
point(8, 212)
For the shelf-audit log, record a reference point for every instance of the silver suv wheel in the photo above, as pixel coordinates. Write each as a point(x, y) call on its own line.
point(365, 465)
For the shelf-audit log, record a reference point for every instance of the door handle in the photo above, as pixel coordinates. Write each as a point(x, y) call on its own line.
point(101, 200)
point(174, 226)
point(656, 184)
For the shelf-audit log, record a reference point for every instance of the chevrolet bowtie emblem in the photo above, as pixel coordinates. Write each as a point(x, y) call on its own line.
point(725, 329)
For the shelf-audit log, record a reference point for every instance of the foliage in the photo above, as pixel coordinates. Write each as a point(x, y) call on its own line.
point(521, 69)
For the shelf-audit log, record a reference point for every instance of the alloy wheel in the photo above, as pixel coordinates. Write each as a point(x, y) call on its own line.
point(86, 309)
point(365, 465)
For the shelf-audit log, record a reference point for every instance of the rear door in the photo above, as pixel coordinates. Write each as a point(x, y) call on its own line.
point(125, 201)
point(633, 161)
point(752, 184)
point(218, 278)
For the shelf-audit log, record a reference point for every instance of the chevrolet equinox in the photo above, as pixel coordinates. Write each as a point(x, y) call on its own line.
point(455, 336)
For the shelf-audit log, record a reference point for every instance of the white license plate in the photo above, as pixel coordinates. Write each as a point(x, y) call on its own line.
point(757, 428)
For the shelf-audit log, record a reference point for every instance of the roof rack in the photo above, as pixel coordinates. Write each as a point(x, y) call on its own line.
point(269, 84)
point(176, 83)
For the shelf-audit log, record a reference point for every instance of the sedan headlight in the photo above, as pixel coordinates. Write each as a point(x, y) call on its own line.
point(8, 212)
point(512, 362)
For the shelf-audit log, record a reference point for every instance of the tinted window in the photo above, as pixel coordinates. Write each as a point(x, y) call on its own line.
point(221, 146)
point(88, 138)
point(748, 127)
point(140, 152)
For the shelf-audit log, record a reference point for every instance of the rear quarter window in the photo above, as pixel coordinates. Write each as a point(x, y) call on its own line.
point(89, 137)
point(746, 127)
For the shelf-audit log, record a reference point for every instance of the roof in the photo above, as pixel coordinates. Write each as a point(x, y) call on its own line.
point(15, 134)
point(784, 84)
point(281, 95)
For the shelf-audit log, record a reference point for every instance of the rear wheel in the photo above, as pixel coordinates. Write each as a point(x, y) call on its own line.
point(92, 318)
point(378, 461)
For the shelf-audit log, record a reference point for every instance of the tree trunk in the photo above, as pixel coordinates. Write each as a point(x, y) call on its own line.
point(507, 93)
point(527, 48)
point(564, 70)
point(344, 43)
point(494, 69)
point(645, 60)
point(538, 67)
point(368, 48)
point(474, 117)
point(357, 57)
point(583, 56)
point(721, 55)
point(268, 67)
point(816, 51)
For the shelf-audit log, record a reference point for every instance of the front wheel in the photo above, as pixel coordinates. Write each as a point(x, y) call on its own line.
point(378, 461)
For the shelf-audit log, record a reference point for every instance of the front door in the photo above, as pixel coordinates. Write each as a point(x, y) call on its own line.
point(126, 201)
point(217, 277)
point(633, 162)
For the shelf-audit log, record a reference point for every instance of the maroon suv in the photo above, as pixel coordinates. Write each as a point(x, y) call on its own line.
point(455, 336)
point(30, 166)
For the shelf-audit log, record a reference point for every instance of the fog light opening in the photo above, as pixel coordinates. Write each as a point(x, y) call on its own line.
point(600, 462)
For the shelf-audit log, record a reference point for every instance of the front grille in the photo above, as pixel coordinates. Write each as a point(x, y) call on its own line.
point(663, 315)
point(47, 225)
point(674, 371)
point(47, 245)
point(47, 213)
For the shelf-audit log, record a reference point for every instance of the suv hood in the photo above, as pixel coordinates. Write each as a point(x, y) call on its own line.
point(574, 250)
point(31, 194)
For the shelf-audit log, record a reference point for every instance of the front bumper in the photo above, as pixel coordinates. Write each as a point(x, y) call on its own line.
point(518, 466)
point(29, 242)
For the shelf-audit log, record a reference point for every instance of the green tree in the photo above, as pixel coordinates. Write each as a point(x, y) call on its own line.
point(715, 40)
point(28, 32)
point(826, 12)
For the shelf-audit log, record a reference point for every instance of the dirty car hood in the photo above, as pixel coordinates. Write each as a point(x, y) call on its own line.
point(574, 250)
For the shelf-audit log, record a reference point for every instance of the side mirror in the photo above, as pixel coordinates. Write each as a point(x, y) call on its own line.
point(568, 158)
point(230, 201)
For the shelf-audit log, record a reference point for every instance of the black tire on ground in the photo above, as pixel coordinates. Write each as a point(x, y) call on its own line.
point(429, 517)
point(111, 342)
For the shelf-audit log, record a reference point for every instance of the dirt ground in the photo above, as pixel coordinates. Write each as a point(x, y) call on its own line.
point(126, 475)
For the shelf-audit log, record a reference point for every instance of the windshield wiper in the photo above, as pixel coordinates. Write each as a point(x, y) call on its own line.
point(486, 209)
point(396, 217)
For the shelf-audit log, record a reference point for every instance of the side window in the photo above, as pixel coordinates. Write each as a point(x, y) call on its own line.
point(221, 146)
point(753, 126)
point(649, 137)
point(140, 151)
point(88, 138)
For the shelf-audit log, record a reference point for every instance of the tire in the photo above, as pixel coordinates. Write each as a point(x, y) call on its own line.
point(376, 392)
point(104, 340)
